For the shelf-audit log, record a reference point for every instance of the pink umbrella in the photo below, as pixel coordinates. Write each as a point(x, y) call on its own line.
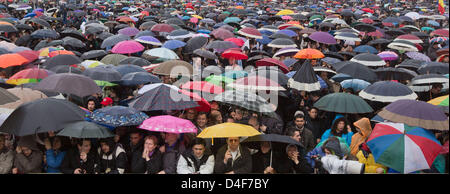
point(286, 17)
point(193, 20)
point(127, 47)
point(168, 124)
point(237, 41)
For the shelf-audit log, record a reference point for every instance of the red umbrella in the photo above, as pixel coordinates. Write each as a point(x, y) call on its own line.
point(410, 37)
point(234, 54)
point(368, 10)
point(237, 41)
point(388, 24)
point(30, 55)
point(376, 33)
point(162, 28)
point(367, 21)
point(222, 33)
point(202, 86)
point(125, 19)
point(250, 32)
point(440, 32)
point(204, 105)
point(272, 62)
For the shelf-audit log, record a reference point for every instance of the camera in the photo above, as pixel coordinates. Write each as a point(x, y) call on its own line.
point(334, 165)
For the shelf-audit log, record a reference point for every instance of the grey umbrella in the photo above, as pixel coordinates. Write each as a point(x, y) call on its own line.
point(61, 60)
point(45, 33)
point(144, 33)
point(41, 116)
point(135, 61)
point(282, 43)
point(102, 74)
point(85, 129)
point(195, 43)
point(205, 54)
point(69, 83)
point(220, 45)
point(73, 42)
point(8, 28)
point(7, 97)
point(136, 78)
point(24, 27)
point(93, 54)
point(147, 25)
point(104, 35)
point(176, 21)
point(66, 69)
point(40, 22)
point(113, 40)
point(94, 30)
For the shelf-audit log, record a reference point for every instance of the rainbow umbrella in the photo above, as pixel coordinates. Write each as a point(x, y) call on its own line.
point(441, 102)
point(46, 51)
point(32, 75)
point(403, 148)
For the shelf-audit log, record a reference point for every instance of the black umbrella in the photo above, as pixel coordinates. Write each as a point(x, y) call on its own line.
point(369, 59)
point(41, 116)
point(24, 27)
point(334, 55)
point(102, 74)
point(205, 54)
point(220, 45)
point(421, 35)
point(73, 33)
point(93, 54)
point(61, 60)
point(387, 91)
point(66, 69)
point(128, 68)
point(434, 68)
point(304, 79)
point(69, 83)
point(410, 64)
point(104, 35)
point(73, 42)
point(365, 28)
point(136, 78)
point(176, 21)
point(147, 25)
point(113, 40)
point(282, 43)
point(381, 41)
point(85, 129)
point(8, 28)
point(279, 35)
point(195, 43)
point(40, 22)
point(394, 32)
point(7, 97)
point(250, 142)
point(135, 61)
point(357, 71)
point(271, 73)
point(55, 43)
point(390, 73)
point(144, 33)
point(44, 33)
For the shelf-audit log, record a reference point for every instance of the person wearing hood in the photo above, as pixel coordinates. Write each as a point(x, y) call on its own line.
point(28, 157)
point(339, 128)
point(364, 129)
point(365, 156)
point(113, 159)
point(6, 156)
point(199, 160)
point(333, 161)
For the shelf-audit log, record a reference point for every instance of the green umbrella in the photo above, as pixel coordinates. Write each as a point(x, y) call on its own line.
point(232, 20)
point(218, 79)
point(427, 29)
point(104, 83)
point(85, 129)
point(343, 103)
point(113, 59)
point(316, 16)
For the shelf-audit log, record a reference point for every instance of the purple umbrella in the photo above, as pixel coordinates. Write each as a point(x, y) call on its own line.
point(288, 32)
point(388, 55)
point(415, 113)
point(148, 40)
point(129, 31)
point(323, 37)
point(418, 56)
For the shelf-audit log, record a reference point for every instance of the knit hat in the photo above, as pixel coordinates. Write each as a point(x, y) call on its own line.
point(299, 113)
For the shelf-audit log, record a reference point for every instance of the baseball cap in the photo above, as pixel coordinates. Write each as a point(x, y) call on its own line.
point(106, 101)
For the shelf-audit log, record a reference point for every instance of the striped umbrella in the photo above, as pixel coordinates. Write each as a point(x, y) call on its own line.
point(439, 40)
point(403, 148)
point(410, 38)
point(253, 83)
point(91, 63)
point(387, 91)
point(442, 102)
point(369, 59)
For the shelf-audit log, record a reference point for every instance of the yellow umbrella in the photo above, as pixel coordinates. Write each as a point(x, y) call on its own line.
point(197, 16)
point(225, 130)
point(285, 12)
point(439, 101)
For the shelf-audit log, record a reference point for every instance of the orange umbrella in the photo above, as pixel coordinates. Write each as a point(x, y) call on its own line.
point(239, 7)
point(294, 22)
point(309, 54)
point(60, 52)
point(5, 23)
point(9, 60)
point(125, 19)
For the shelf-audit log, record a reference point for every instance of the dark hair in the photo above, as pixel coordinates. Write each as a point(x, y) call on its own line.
point(299, 116)
point(312, 107)
point(80, 141)
point(202, 113)
point(335, 124)
point(291, 132)
point(198, 141)
point(153, 138)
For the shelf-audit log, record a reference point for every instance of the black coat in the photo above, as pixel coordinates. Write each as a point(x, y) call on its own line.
point(317, 126)
point(261, 161)
point(242, 165)
point(115, 161)
point(153, 166)
point(72, 161)
point(170, 158)
point(289, 167)
point(133, 155)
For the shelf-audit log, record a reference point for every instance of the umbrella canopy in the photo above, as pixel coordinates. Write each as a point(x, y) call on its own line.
point(137, 78)
point(148, 40)
point(423, 83)
point(323, 37)
point(127, 47)
point(70, 42)
point(168, 124)
point(415, 113)
point(69, 83)
point(275, 138)
point(388, 55)
point(403, 148)
point(347, 36)
point(356, 70)
point(24, 94)
point(410, 38)
point(433, 68)
point(286, 52)
point(205, 54)
point(390, 73)
point(247, 100)
point(61, 60)
point(129, 31)
point(117, 116)
point(31, 75)
point(403, 45)
point(250, 33)
point(234, 54)
point(365, 49)
point(9, 60)
point(221, 46)
point(369, 59)
point(343, 103)
point(113, 40)
point(272, 62)
point(282, 43)
point(255, 83)
point(102, 74)
point(174, 68)
point(45, 33)
point(387, 91)
point(195, 43)
point(162, 28)
point(219, 80)
point(418, 56)
point(85, 129)
point(161, 97)
point(113, 59)
point(309, 54)
point(441, 102)
point(222, 33)
point(7, 97)
point(41, 116)
point(304, 79)
point(355, 84)
point(225, 130)
point(164, 53)
point(174, 44)
point(93, 54)
point(202, 86)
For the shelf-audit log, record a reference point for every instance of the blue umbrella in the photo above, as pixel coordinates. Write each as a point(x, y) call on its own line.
point(323, 84)
point(341, 77)
point(289, 61)
point(288, 32)
point(433, 23)
point(235, 74)
point(2, 7)
point(232, 20)
point(118, 116)
point(136, 78)
point(204, 31)
point(30, 15)
point(291, 74)
point(266, 32)
point(128, 68)
point(186, 18)
point(264, 40)
point(377, 119)
point(125, 8)
point(331, 60)
point(174, 44)
point(365, 49)
point(355, 84)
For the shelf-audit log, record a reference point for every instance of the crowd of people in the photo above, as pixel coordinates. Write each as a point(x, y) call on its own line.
point(325, 142)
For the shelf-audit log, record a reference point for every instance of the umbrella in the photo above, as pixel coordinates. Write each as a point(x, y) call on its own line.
point(343, 103)
point(218, 80)
point(422, 83)
point(179, 34)
point(144, 33)
point(205, 53)
point(127, 47)
point(9, 60)
point(202, 86)
point(254, 83)
point(66, 69)
point(113, 59)
point(403, 148)
point(59, 52)
point(324, 69)
point(85, 129)
point(341, 77)
point(174, 68)
point(148, 40)
point(73, 33)
point(440, 32)
point(388, 55)
point(403, 45)
point(113, 40)
point(439, 40)
point(73, 42)
point(369, 59)
point(69, 83)
point(102, 74)
point(129, 31)
point(118, 116)
point(441, 102)
point(137, 78)
point(8, 28)
point(168, 124)
point(250, 32)
point(410, 38)
point(93, 54)
point(418, 56)
point(365, 27)
point(286, 52)
point(282, 43)
point(234, 74)
point(234, 54)
point(31, 75)
point(410, 64)
point(164, 53)
point(7, 97)
point(379, 41)
point(195, 43)
point(222, 34)
point(63, 60)
point(347, 36)
point(415, 113)
point(162, 28)
point(40, 22)
point(433, 67)
point(355, 84)
point(309, 54)
point(387, 91)
point(247, 100)
point(44, 33)
point(220, 46)
point(356, 70)
point(225, 130)
point(41, 116)
point(390, 73)
point(162, 97)
point(323, 37)
point(365, 49)
point(173, 44)
point(128, 68)
point(236, 41)
point(272, 62)
point(304, 79)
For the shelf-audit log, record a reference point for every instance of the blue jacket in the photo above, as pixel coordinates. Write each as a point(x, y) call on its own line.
point(327, 134)
point(54, 161)
point(316, 151)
